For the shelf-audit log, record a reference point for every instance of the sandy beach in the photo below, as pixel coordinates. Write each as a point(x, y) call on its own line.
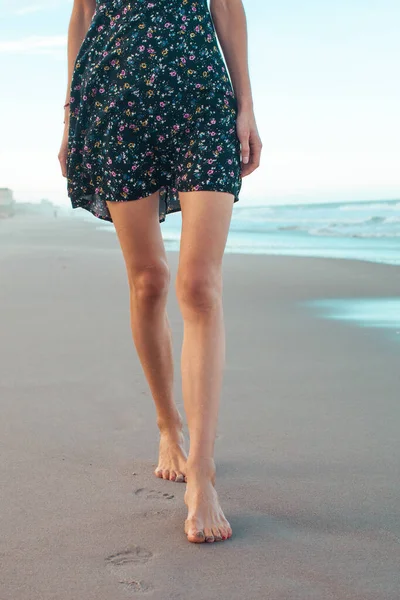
point(308, 449)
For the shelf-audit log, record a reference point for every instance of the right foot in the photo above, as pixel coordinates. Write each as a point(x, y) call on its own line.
point(172, 457)
point(205, 522)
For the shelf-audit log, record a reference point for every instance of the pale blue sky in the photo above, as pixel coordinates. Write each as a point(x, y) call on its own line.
point(325, 84)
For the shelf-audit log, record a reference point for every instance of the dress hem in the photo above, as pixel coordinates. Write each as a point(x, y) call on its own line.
point(87, 205)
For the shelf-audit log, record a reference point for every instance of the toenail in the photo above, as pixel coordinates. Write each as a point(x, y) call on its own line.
point(209, 539)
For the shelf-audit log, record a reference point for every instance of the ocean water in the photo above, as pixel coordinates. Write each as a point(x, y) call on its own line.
point(382, 313)
point(350, 230)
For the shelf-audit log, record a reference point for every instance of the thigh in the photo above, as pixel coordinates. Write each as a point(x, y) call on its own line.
point(206, 217)
point(139, 233)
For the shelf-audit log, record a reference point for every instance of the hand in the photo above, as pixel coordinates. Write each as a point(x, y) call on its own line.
point(63, 152)
point(249, 140)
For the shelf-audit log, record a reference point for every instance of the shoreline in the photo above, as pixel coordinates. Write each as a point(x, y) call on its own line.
point(97, 227)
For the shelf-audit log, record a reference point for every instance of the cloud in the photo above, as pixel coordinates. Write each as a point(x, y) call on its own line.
point(8, 7)
point(36, 44)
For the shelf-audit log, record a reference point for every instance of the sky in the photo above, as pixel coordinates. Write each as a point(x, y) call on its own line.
point(325, 86)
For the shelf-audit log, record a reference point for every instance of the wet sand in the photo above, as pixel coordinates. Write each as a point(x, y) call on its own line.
point(308, 450)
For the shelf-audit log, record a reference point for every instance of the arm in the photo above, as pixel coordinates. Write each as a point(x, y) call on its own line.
point(82, 13)
point(230, 25)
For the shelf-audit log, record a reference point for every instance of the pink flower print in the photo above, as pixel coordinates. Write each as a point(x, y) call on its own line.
point(197, 28)
point(192, 57)
point(134, 167)
point(122, 127)
point(186, 115)
point(130, 103)
point(149, 34)
point(176, 127)
point(125, 189)
point(173, 73)
point(161, 138)
point(212, 133)
point(112, 104)
point(109, 161)
point(102, 90)
point(119, 138)
point(123, 73)
point(219, 148)
point(158, 117)
point(210, 161)
point(85, 97)
point(209, 68)
point(230, 161)
point(231, 173)
point(210, 171)
point(113, 63)
point(117, 43)
point(162, 104)
point(184, 18)
point(113, 173)
point(213, 121)
point(167, 24)
point(183, 59)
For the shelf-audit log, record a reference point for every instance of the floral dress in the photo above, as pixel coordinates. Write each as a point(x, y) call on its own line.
point(151, 107)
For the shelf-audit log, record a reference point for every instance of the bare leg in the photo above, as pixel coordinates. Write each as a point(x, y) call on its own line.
point(138, 230)
point(205, 224)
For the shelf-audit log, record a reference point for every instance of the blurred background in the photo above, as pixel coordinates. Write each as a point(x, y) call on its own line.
point(326, 96)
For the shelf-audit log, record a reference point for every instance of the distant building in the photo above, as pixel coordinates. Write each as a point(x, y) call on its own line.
point(7, 203)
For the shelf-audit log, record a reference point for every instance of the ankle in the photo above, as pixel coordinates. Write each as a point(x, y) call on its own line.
point(200, 466)
point(170, 425)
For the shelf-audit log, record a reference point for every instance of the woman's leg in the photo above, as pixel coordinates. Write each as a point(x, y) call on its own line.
point(138, 229)
point(205, 223)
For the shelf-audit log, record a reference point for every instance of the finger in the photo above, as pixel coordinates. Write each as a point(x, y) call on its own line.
point(245, 148)
point(255, 153)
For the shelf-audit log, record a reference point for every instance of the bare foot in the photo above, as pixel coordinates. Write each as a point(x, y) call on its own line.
point(172, 456)
point(205, 522)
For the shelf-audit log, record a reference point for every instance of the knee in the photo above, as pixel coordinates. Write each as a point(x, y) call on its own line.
point(198, 290)
point(150, 283)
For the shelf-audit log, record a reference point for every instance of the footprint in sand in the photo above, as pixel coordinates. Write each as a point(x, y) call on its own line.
point(136, 586)
point(151, 494)
point(136, 555)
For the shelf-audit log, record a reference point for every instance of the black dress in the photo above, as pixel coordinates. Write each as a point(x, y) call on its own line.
point(151, 107)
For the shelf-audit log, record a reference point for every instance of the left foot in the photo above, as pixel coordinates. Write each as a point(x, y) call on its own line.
point(172, 457)
point(206, 521)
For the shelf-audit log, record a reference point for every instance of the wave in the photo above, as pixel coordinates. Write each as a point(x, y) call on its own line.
point(395, 205)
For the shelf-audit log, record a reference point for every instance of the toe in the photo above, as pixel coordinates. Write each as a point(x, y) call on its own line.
point(158, 473)
point(172, 475)
point(180, 478)
point(166, 474)
point(209, 535)
point(196, 536)
point(217, 534)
